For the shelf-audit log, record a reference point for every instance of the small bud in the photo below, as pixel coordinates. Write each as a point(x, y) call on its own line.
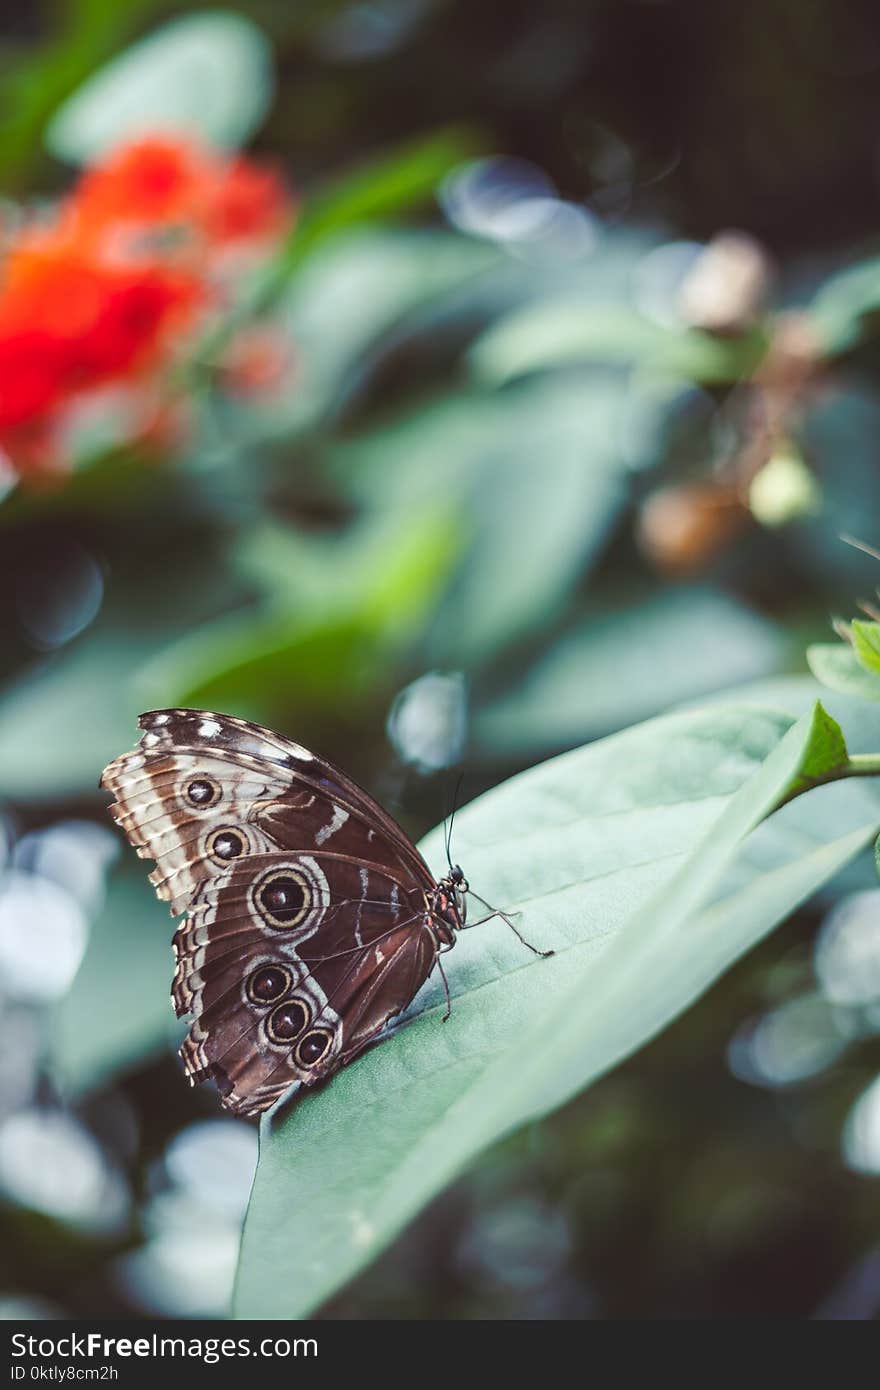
point(259, 363)
point(683, 528)
point(784, 489)
point(727, 287)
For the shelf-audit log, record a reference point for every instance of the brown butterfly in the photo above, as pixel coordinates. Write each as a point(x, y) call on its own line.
point(311, 918)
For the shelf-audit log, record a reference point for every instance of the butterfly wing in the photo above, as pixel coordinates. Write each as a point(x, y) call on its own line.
point(271, 1012)
point(307, 925)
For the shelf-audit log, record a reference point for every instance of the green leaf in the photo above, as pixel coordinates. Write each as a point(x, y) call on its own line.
point(382, 188)
point(63, 721)
point(206, 74)
point(837, 433)
point(529, 532)
point(379, 188)
point(260, 665)
point(557, 333)
point(844, 804)
point(825, 751)
point(117, 1012)
point(610, 853)
point(35, 83)
point(533, 532)
point(591, 681)
point(370, 281)
point(334, 618)
point(836, 665)
point(866, 644)
point(843, 303)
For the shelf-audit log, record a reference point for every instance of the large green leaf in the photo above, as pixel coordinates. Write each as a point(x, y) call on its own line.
point(610, 854)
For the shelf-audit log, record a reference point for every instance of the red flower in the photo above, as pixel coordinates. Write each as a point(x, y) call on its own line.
point(154, 180)
point(246, 204)
point(169, 181)
point(131, 264)
point(69, 321)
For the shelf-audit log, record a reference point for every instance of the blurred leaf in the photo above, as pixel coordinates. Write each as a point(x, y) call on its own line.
point(382, 187)
point(117, 1013)
point(535, 478)
point(797, 695)
point(836, 665)
point(368, 282)
point(207, 74)
point(866, 644)
point(32, 86)
point(111, 481)
point(534, 529)
point(70, 713)
point(627, 837)
point(262, 667)
point(335, 617)
point(559, 333)
point(626, 664)
point(391, 184)
point(841, 305)
point(62, 722)
point(838, 435)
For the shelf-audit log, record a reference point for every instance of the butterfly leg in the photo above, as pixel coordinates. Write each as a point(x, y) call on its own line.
point(445, 988)
point(508, 918)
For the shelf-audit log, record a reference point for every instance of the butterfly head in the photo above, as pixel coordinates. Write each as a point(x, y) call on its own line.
point(460, 889)
point(449, 904)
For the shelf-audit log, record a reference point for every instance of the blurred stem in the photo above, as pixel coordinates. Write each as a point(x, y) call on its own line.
point(857, 765)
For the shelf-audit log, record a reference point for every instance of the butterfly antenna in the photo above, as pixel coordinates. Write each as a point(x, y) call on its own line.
point(455, 793)
point(446, 815)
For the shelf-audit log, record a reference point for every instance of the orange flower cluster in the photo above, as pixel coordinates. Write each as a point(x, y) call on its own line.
point(99, 299)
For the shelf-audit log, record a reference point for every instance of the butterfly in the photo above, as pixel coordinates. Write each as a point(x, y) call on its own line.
point(311, 919)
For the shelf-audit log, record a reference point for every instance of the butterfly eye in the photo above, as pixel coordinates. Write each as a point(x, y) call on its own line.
point(287, 1021)
point(267, 985)
point(203, 792)
point(313, 1047)
point(283, 900)
point(226, 844)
